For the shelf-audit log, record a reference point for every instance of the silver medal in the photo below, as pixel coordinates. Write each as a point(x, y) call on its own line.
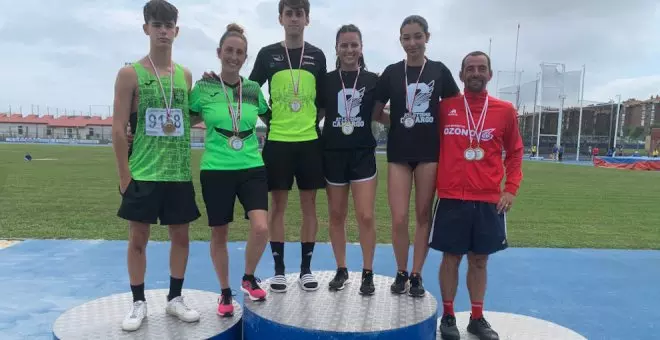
point(479, 154)
point(408, 121)
point(470, 154)
point(236, 143)
point(347, 129)
point(295, 105)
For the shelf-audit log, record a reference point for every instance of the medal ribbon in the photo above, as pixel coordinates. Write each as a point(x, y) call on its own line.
point(168, 105)
point(405, 72)
point(234, 114)
point(479, 126)
point(346, 106)
point(296, 85)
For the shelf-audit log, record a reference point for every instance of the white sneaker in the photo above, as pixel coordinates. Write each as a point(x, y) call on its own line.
point(178, 308)
point(133, 319)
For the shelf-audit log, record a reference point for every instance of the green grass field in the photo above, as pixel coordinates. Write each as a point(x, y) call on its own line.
point(75, 196)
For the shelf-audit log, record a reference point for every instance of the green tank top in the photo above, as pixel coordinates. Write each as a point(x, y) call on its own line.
point(157, 155)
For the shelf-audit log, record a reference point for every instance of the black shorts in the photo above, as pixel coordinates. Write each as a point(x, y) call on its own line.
point(288, 160)
point(342, 167)
point(221, 187)
point(149, 202)
point(467, 226)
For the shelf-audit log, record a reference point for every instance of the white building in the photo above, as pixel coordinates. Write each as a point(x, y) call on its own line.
point(66, 127)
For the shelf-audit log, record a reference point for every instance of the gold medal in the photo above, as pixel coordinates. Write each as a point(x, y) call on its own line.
point(169, 127)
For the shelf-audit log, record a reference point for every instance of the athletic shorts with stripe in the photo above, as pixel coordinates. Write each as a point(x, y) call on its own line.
point(341, 167)
point(286, 161)
point(459, 227)
point(221, 187)
point(149, 202)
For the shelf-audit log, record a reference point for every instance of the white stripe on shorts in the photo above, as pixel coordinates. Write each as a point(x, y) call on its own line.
point(435, 212)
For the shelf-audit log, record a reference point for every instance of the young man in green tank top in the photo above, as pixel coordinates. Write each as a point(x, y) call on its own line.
point(155, 173)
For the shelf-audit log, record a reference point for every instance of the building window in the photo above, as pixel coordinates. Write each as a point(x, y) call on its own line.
point(20, 130)
point(49, 131)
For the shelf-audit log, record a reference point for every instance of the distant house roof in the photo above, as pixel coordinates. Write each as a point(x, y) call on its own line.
point(62, 121)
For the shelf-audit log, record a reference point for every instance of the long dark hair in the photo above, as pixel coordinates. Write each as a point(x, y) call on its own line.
point(350, 28)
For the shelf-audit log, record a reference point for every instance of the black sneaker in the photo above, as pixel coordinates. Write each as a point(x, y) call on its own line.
point(400, 285)
point(448, 329)
point(481, 328)
point(339, 281)
point(416, 286)
point(367, 287)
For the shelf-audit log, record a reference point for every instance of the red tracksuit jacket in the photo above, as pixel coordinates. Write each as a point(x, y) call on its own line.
point(458, 178)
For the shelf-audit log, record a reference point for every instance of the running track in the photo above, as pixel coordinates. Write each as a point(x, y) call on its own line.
point(601, 294)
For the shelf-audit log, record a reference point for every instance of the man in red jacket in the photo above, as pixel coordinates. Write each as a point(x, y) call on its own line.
point(469, 218)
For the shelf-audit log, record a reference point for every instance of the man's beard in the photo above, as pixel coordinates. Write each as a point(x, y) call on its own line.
point(476, 84)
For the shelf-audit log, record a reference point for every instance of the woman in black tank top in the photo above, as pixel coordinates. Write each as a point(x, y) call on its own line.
point(413, 88)
point(349, 153)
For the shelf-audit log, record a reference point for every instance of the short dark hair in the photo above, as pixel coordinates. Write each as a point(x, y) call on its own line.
point(415, 19)
point(160, 10)
point(350, 28)
point(475, 54)
point(294, 4)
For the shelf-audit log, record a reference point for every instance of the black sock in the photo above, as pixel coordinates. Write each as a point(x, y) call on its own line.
point(366, 271)
point(307, 251)
point(138, 292)
point(175, 288)
point(277, 249)
point(247, 277)
point(226, 292)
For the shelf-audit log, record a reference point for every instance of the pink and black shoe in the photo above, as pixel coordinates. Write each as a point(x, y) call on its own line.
point(250, 286)
point(225, 305)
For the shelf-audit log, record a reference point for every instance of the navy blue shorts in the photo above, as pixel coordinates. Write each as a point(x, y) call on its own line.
point(460, 227)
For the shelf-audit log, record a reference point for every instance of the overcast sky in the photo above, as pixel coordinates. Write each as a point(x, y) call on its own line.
point(65, 53)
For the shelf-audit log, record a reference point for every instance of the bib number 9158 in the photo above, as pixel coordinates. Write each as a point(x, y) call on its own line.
point(157, 123)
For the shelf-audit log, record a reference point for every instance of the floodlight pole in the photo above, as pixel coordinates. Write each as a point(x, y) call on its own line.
point(584, 71)
point(536, 95)
point(616, 125)
point(562, 96)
